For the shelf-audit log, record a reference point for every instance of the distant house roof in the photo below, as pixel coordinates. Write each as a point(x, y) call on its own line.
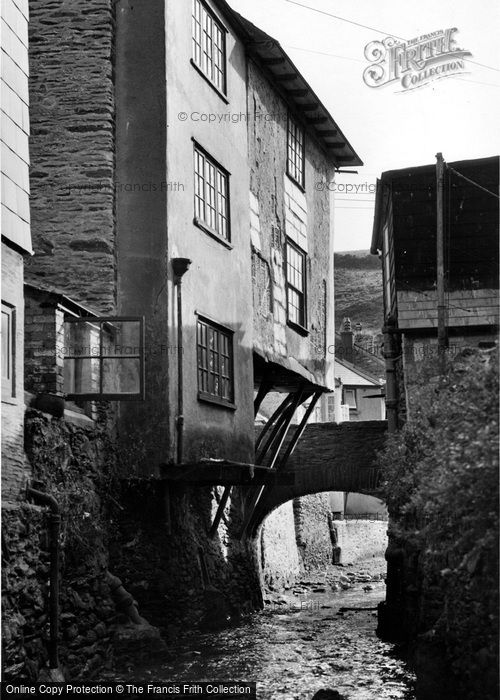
point(350, 375)
point(293, 87)
point(362, 359)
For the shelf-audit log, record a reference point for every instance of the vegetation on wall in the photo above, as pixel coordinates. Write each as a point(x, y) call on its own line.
point(441, 488)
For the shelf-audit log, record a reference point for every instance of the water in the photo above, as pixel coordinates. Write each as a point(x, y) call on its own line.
point(293, 650)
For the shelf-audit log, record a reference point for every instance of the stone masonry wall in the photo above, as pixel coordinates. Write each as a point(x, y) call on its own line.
point(72, 148)
point(313, 534)
point(180, 576)
point(75, 465)
point(295, 538)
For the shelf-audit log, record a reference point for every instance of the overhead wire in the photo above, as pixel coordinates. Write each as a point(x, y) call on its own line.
point(378, 31)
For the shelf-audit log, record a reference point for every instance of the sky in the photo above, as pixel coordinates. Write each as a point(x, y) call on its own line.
point(387, 126)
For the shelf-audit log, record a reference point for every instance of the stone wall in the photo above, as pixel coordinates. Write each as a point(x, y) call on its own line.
point(278, 553)
point(361, 539)
point(75, 465)
point(72, 148)
point(180, 576)
point(296, 538)
point(313, 534)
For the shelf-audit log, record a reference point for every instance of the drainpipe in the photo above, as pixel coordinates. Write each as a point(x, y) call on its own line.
point(180, 267)
point(55, 519)
point(390, 354)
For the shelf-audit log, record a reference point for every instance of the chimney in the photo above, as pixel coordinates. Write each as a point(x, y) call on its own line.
point(346, 335)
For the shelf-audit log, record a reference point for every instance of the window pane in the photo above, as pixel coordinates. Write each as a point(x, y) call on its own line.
point(81, 376)
point(295, 278)
point(215, 369)
point(295, 149)
point(211, 203)
point(121, 376)
point(103, 357)
point(81, 339)
point(121, 338)
point(208, 45)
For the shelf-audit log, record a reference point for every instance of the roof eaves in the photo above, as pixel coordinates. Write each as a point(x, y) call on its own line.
point(293, 87)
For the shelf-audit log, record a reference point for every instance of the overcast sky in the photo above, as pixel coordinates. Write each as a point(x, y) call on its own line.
point(388, 127)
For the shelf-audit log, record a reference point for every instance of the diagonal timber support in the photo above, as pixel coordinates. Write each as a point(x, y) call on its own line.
point(284, 459)
point(274, 445)
point(264, 388)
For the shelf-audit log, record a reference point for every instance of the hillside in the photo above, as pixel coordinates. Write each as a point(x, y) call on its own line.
point(358, 290)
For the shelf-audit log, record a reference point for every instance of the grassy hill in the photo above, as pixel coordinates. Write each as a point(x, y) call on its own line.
point(358, 290)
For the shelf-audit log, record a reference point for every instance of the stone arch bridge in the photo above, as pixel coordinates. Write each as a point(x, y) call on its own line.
point(328, 457)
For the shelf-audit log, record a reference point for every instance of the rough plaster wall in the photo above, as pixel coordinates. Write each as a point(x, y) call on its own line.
point(72, 148)
point(279, 557)
point(267, 156)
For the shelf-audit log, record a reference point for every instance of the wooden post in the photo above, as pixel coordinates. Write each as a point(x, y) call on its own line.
point(441, 308)
point(391, 387)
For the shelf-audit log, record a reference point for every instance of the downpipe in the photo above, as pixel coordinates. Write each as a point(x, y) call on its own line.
point(45, 499)
point(180, 266)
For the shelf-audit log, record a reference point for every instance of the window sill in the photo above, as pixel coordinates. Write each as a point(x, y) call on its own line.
point(212, 233)
point(297, 184)
point(207, 79)
point(222, 403)
point(301, 330)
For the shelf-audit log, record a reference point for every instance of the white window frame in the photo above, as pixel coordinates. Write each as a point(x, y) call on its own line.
point(209, 45)
point(295, 151)
point(211, 196)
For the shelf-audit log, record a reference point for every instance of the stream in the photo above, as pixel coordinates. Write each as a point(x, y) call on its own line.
point(291, 649)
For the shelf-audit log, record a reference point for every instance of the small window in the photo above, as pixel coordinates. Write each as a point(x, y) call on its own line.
point(295, 151)
point(215, 362)
point(350, 398)
point(209, 45)
point(104, 358)
point(296, 284)
point(8, 351)
point(211, 195)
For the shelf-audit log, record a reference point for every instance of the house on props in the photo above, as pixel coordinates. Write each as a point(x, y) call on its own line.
point(182, 275)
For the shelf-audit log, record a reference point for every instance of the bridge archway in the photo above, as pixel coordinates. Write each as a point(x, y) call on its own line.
point(329, 457)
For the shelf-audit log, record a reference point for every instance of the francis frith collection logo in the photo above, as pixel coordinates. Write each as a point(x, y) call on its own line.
point(414, 63)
